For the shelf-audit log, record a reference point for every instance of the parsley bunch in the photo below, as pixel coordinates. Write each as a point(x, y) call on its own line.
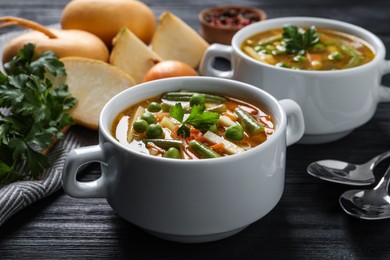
point(198, 118)
point(298, 40)
point(32, 114)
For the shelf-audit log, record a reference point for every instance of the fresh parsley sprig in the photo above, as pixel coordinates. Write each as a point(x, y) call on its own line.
point(198, 118)
point(298, 40)
point(32, 114)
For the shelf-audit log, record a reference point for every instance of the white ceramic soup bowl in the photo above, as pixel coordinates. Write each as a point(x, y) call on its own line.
point(188, 200)
point(333, 102)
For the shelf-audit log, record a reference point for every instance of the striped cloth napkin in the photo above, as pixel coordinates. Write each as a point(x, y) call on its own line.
point(18, 195)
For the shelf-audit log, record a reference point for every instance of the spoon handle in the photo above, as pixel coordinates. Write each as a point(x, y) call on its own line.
point(377, 159)
point(384, 182)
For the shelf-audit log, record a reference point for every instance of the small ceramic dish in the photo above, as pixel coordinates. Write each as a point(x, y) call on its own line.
point(219, 23)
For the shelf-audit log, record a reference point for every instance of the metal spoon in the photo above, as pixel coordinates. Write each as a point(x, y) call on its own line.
point(368, 204)
point(346, 173)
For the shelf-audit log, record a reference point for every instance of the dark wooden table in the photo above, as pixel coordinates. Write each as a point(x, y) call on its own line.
point(308, 223)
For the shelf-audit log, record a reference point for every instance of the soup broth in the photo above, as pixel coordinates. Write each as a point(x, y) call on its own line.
point(188, 125)
point(333, 51)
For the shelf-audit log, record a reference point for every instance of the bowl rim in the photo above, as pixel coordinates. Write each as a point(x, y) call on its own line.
point(265, 99)
point(260, 12)
point(379, 49)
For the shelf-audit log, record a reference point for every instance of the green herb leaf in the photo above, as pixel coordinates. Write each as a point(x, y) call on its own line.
point(177, 112)
point(198, 118)
point(33, 114)
point(298, 40)
point(201, 119)
point(183, 131)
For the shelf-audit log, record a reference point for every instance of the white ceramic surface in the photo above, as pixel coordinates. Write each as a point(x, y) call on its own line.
point(333, 102)
point(189, 200)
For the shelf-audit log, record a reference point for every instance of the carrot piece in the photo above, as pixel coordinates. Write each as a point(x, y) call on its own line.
point(230, 105)
point(218, 147)
point(197, 135)
point(174, 133)
point(160, 116)
point(250, 110)
point(231, 115)
point(313, 56)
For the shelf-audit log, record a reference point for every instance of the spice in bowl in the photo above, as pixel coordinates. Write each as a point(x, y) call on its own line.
point(220, 23)
point(231, 18)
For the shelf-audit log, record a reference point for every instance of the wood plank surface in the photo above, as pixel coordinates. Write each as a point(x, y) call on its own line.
point(308, 222)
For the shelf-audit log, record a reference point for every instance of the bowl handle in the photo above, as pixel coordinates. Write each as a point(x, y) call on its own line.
point(75, 159)
point(216, 50)
point(384, 92)
point(295, 121)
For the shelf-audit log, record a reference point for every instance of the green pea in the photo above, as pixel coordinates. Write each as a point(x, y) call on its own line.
point(299, 58)
point(154, 131)
point(277, 52)
point(335, 56)
point(154, 107)
point(235, 133)
point(165, 107)
point(197, 99)
point(259, 48)
point(172, 153)
point(318, 47)
point(149, 117)
point(269, 47)
point(140, 125)
point(282, 65)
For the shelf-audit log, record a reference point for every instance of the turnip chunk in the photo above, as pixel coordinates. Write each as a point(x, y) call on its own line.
point(228, 146)
point(226, 121)
point(130, 132)
point(168, 123)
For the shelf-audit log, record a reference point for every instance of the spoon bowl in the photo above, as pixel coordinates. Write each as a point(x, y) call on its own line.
point(368, 204)
point(346, 173)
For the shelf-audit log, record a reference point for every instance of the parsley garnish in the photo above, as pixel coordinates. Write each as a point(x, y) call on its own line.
point(33, 113)
point(298, 40)
point(198, 118)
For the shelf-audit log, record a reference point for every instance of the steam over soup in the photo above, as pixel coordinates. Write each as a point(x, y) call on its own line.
point(308, 49)
point(188, 125)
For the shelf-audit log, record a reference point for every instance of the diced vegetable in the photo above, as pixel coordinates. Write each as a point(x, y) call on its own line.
point(154, 107)
point(270, 39)
point(165, 107)
point(335, 56)
point(140, 125)
point(252, 53)
point(165, 143)
point(149, 117)
point(217, 109)
point(154, 131)
point(250, 124)
point(225, 121)
point(197, 99)
point(235, 133)
point(202, 150)
point(172, 153)
point(138, 113)
point(168, 123)
point(229, 147)
point(356, 56)
point(186, 96)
